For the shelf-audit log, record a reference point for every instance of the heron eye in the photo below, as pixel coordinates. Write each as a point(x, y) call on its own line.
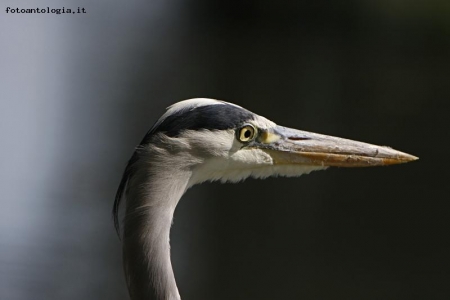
point(246, 133)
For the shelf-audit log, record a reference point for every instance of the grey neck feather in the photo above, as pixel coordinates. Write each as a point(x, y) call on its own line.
point(152, 195)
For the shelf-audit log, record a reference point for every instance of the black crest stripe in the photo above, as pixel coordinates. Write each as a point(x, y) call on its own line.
point(211, 117)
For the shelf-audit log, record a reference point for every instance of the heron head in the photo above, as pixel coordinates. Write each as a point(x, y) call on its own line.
point(217, 140)
point(206, 140)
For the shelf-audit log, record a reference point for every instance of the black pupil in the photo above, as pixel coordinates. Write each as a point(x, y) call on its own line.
point(247, 133)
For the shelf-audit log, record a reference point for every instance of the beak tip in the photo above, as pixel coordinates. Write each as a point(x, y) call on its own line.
point(402, 158)
point(411, 158)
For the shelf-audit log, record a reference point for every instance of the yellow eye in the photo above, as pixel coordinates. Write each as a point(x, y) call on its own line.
point(246, 133)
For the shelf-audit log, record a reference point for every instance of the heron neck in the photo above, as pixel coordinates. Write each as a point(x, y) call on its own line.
point(146, 246)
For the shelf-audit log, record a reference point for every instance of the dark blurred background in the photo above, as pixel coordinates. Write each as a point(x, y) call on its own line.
point(79, 91)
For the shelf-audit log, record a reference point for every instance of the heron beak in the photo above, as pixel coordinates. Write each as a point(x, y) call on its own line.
point(289, 146)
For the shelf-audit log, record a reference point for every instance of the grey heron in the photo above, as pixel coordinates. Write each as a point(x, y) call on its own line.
point(200, 140)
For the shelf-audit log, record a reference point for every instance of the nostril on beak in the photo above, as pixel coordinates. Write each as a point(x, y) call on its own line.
point(296, 138)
